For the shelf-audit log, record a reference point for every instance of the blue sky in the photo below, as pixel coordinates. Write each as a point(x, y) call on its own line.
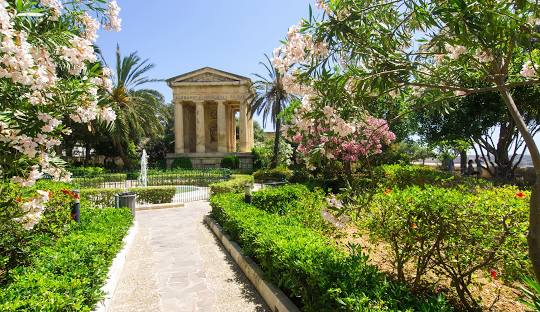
point(180, 35)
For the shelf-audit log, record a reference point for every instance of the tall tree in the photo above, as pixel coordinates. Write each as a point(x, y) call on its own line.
point(270, 99)
point(483, 119)
point(138, 109)
point(427, 47)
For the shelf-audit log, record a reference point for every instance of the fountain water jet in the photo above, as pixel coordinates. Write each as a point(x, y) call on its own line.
point(143, 176)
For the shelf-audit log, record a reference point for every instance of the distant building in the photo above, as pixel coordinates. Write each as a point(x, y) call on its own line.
point(206, 102)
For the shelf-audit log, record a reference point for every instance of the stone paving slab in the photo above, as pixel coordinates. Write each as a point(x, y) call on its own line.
point(177, 264)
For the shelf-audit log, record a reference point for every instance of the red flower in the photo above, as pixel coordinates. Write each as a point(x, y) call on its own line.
point(520, 195)
point(493, 273)
point(414, 226)
point(71, 194)
point(18, 199)
point(387, 191)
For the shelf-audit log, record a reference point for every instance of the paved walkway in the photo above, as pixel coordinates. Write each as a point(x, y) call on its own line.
point(176, 264)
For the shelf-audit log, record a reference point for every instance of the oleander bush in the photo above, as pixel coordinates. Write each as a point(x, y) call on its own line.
point(456, 233)
point(236, 184)
point(105, 197)
point(230, 162)
point(275, 174)
point(66, 274)
point(309, 268)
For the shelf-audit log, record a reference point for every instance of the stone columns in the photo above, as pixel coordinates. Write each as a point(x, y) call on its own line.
point(233, 130)
point(200, 129)
point(178, 128)
point(250, 139)
point(243, 128)
point(221, 127)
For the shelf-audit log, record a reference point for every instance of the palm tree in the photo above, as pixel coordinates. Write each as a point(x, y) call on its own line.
point(271, 99)
point(138, 110)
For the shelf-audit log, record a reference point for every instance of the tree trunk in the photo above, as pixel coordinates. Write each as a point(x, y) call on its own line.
point(87, 149)
point(124, 156)
point(504, 165)
point(533, 237)
point(277, 135)
point(463, 162)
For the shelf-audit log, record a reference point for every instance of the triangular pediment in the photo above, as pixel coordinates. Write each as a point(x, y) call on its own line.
point(207, 75)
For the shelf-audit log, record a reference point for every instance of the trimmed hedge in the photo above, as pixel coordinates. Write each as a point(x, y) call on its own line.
point(317, 275)
point(86, 171)
point(67, 274)
point(401, 176)
point(235, 185)
point(280, 199)
point(105, 197)
point(276, 174)
point(157, 177)
point(230, 162)
point(16, 242)
point(182, 162)
point(295, 201)
point(99, 180)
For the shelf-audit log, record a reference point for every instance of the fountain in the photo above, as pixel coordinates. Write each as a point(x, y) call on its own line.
point(143, 176)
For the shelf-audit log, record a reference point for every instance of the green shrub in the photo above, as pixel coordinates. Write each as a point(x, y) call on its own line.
point(276, 174)
point(454, 233)
point(297, 202)
point(100, 180)
point(67, 274)
point(99, 197)
point(281, 199)
point(308, 267)
point(87, 171)
point(16, 242)
point(196, 178)
point(181, 162)
point(235, 185)
point(230, 162)
point(105, 197)
point(262, 156)
point(154, 195)
point(401, 176)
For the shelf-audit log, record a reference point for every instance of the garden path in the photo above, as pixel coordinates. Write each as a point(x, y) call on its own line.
point(177, 264)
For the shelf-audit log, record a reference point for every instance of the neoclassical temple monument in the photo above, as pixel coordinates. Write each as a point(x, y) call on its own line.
point(206, 103)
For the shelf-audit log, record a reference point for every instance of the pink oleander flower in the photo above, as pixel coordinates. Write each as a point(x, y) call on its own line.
point(91, 27)
point(528, 70)
point(113, 13)
point(454, 52)
point(107, 114)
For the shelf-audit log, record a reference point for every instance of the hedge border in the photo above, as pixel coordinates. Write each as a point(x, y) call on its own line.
point(272, 295)
point(116, 268)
